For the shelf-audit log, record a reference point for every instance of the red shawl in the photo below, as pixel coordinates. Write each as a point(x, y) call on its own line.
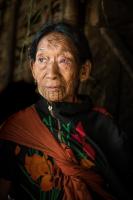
point(26, 128)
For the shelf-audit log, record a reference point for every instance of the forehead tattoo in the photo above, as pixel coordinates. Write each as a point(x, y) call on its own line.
point(57, 39)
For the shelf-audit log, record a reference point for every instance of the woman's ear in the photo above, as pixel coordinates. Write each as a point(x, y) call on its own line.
point(85, 71)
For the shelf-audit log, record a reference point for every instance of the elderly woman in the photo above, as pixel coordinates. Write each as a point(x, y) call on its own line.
point(62, 148)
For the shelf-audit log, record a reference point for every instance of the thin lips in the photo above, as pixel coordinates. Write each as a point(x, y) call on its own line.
point(53, 86)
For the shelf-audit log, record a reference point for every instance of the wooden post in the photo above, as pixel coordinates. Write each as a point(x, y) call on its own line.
point(12, 40)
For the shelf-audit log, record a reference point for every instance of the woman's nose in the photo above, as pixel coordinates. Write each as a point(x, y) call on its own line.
point(52, 70)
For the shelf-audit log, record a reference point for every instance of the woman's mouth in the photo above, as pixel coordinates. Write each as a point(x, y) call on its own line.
point(53, 88)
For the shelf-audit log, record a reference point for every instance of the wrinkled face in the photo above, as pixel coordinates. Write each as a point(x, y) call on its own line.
point(56, 69)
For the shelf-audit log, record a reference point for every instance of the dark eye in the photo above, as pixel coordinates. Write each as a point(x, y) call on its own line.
point(41, 60)
point(64, 61)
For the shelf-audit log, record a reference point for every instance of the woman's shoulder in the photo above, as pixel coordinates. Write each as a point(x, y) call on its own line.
point(21, 115)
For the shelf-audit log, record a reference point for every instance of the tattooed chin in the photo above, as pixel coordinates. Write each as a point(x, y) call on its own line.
point(57, 95)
